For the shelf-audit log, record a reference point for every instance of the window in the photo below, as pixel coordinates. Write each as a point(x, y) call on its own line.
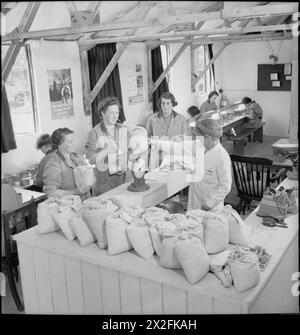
point(20, 93)
point(200, 59)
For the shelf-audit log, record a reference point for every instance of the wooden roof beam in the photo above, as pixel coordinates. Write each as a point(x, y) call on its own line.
point(14, 48)
point(111, 65)
point(168, 68)
point(191, 33)
point(210, 64)
point(225, 14)
point(121, 12)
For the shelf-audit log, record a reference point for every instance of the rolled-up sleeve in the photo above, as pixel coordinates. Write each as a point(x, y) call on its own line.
point(224, 181)
point(52, 177)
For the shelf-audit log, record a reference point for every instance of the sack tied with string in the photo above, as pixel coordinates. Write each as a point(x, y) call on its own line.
point(84, 177)
point(192, 256)
point(236, 226)
point(216, 233)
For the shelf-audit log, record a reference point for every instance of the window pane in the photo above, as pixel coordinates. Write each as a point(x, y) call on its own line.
point(18, 89)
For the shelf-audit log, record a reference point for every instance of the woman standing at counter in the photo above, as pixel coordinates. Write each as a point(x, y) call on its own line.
point(166, 122)
point(103, 139)
point(58, 174)
point(211, 191)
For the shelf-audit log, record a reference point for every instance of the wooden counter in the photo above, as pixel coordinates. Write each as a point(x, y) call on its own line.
point(58, 276)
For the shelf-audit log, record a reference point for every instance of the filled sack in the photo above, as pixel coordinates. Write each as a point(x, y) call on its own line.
point(274, 204)
point(84, 177)
point(139, 237)
point(83, 233)
point(45, 211)
point(216, 234)
point(154, 214)
point(192, 256)
point(196, 214)
point(224, 276)
point(117, 237)
point(96, 219)
point(129, 213)
point(218, 261)
point(244, 268)
point(236, 226)
point(63, 218)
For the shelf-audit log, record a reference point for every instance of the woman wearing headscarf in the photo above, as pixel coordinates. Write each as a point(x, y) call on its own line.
point(211, 191)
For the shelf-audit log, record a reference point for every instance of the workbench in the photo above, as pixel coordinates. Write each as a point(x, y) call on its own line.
point(60, 277)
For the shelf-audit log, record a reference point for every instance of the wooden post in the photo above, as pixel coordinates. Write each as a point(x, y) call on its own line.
point(172, 62)
point(113, 62)
point(14, 48)
point(210, 64)
point(85, 77)
point(150, 82)
point(294, 94)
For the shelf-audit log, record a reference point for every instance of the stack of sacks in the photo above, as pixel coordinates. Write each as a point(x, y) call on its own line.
point(95, 215)
point(244, 268)
point(154, 214)
point(52, 207)
point(236, 226)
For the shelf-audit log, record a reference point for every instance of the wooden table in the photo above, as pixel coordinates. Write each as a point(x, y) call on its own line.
point(59, 276)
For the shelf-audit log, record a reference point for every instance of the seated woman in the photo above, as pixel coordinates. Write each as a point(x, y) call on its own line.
point(105, 139)
point(58, 174)
point(44, 144)
point(167, 123)
point(210, 103)
point(253, 111)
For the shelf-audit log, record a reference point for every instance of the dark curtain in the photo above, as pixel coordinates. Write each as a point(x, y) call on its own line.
point(157, 70)
point(212, 68)
point(8, 141)
point(98, 58)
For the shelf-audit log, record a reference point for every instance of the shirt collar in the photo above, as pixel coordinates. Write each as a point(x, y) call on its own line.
point(173, 114)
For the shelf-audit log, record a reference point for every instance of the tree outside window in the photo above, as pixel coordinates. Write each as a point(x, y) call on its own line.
point(20, 95)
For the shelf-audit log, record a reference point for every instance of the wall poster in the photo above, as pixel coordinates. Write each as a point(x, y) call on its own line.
point(135, 84)
point(61, 93)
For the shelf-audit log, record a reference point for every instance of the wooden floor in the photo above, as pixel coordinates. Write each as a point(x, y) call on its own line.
point(251, 149)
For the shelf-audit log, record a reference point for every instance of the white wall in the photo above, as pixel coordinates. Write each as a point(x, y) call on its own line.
point(50, 55)
point(236, 70)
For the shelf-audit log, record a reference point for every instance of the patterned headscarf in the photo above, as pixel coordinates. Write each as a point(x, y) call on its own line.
point(210, 127)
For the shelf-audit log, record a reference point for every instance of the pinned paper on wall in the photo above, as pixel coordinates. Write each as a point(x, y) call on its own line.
point(276, 83)
point(288, 78)
point(274, 76)
point(287, 69)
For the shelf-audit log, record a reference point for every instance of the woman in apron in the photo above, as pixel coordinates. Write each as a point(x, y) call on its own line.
point(58, 174)
point(107, 148)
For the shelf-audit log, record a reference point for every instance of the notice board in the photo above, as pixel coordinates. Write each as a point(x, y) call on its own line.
point(274, 77)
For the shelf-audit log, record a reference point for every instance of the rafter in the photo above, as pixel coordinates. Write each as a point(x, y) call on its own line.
point(121, 12)
point(111, 65)
point(14, 48)
point(268, 10)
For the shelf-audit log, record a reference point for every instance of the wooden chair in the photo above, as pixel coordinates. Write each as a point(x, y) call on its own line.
point(252, 175)
point(14, 222)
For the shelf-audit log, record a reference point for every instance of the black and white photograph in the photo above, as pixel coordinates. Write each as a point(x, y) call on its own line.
point(149, 163)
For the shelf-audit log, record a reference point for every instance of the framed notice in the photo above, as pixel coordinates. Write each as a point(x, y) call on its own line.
point(61, 93)
point(135, 84)
point(273, 77)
